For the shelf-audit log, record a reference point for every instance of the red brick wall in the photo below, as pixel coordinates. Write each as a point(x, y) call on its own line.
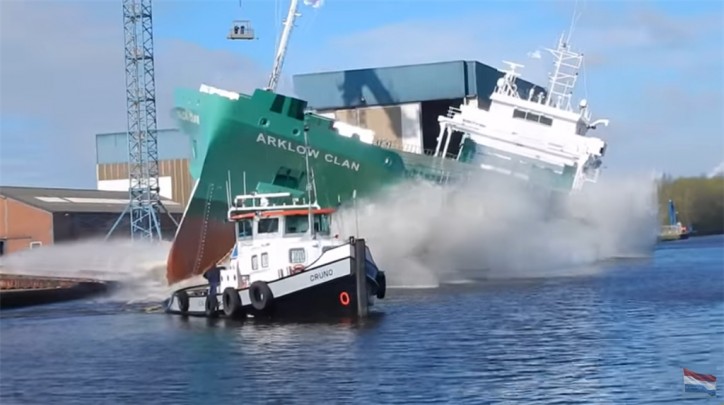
point(21, 224)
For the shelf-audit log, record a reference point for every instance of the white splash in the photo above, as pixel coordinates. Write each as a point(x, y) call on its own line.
point(424, 234)
point(140, 269)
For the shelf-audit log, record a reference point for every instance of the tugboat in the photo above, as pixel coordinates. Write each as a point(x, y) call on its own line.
point(285, 262)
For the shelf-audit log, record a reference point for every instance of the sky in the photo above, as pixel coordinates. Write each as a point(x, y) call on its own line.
point(654, 68)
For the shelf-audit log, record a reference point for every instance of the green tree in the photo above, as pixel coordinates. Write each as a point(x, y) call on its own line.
point(699, 202)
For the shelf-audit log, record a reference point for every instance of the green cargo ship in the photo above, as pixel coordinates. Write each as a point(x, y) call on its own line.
point(243, 143)
point(258, 142)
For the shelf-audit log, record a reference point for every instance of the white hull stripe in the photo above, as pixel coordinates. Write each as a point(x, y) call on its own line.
point(318, 275)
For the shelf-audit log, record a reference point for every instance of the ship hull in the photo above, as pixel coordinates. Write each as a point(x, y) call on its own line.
point(231, 151)
point(240, 146)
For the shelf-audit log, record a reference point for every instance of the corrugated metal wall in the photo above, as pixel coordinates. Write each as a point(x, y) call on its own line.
point(483, 79)
point(81, 225)
point(113, 147)
point(399, 85)
point(178, 169)
point(381, 86)
point(385, 121)
point(396, 126)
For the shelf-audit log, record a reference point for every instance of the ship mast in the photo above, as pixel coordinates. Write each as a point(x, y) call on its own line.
point(283, 43)
point(563, 78)
point(567, 63)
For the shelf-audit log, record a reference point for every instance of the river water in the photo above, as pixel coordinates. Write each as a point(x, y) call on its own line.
point(619, 335)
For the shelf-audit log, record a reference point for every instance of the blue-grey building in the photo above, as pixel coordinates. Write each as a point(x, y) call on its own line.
point(174, 152)
point(401, 103)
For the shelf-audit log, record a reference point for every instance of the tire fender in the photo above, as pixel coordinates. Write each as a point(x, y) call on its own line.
point(232, 302)
point(381, 285)
point(210, 306)
point(183, 301)
point(261, 295)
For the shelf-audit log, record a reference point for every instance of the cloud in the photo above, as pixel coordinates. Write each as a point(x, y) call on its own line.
point(647, 36)
point(717, 171)
point(63, 71)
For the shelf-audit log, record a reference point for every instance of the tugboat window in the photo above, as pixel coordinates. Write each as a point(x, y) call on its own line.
point(264, 260)
point(245, 228)
point(296, 224)
point(268, 225)
point(254, 262)
point(297, 255)
point(322, 224)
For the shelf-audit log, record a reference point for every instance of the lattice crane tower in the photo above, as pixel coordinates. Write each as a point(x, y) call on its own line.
point(144, 199)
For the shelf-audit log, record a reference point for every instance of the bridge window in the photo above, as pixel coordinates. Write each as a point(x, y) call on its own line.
point(529, 116)
point(268, 225)
point(278, 104)
point(296, 109)
point(289, 178)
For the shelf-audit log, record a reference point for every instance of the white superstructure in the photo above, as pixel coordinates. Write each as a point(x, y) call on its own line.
point(539, 135)
point(277, 240)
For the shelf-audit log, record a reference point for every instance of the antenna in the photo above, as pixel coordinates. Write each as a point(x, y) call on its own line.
point(574, 19)
point(228, 189)
point(244, 180)
point(356, 216)
point(309, 184)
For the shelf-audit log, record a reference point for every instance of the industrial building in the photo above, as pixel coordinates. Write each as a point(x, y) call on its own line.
point(400, 104)
point(174, 152)
point(34, 217)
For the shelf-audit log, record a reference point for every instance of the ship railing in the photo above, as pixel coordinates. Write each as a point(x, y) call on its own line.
point(399, 146)
point(452, 111)
point(234, 211)
point(258, 198)
point(264, 201)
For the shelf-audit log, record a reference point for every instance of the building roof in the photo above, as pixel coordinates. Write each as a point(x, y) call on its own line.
point(76, 200)
point(400, 84)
